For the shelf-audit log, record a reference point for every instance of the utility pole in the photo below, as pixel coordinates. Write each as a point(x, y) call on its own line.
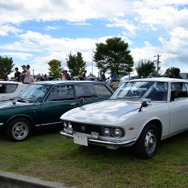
point(33, 72)
point(92, 64)
point(158, 67)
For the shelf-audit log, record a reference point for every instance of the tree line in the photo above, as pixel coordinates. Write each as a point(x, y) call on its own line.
point(112, 56)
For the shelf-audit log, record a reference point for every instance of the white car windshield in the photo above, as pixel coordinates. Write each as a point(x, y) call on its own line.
point(137, 90)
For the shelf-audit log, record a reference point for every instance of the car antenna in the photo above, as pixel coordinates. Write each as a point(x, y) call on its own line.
point(143, 104)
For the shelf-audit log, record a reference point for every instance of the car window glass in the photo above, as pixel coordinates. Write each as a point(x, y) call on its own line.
point(2, 88)
point(178, 86)
point(186, 85)
point(156, 91)
point(10, 88)
point(61, 93)
point(102, 90)
point(132, 89)
point(178, 90)
point(34, 92)
point(84, 91)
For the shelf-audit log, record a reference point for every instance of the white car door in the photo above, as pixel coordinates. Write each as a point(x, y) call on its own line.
point(178, 108)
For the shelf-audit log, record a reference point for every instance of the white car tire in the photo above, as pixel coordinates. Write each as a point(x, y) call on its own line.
point(147, 144)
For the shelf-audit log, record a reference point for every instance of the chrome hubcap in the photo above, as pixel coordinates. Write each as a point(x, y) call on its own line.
point(150, 142)
point(20, 130)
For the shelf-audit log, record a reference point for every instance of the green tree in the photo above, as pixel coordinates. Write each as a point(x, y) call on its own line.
point(6, 67)
point(113, 56)
point(169, 72)
point(145, 68)
point(76, 64)
point(55, 68)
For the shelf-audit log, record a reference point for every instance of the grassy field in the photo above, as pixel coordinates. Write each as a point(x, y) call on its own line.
point(51, 157)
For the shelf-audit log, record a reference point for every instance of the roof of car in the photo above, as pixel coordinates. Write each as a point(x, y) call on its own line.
point(161, 79)
point(54, 82)
point(9, 82)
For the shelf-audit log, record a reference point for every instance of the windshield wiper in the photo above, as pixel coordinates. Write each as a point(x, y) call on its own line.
point(19, 99)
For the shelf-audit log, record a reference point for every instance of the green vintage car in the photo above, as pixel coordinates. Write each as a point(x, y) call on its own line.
point(42, 103)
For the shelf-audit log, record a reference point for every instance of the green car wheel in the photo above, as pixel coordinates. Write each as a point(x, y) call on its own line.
point(18, 129)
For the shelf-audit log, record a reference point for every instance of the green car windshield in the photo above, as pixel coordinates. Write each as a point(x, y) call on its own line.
point(138, 90)
point(34, 93)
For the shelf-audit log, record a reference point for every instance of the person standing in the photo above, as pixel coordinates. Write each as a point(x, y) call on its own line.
point(65, 75)
point(176, 73)
point(27, 75)
point(108, 81)
point(22, 75)
point(45, 77)
point(103, 77)
point(84, 75)
point(17, 74)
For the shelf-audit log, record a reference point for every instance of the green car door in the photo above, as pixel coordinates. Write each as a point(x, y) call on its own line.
point(60, 100)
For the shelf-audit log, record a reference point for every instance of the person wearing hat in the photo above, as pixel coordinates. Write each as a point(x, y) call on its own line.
point(17, 74)
point(22, 74)
point(27, 75)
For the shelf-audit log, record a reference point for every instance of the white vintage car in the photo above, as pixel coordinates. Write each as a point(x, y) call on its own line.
point(140, 113)
point(10, 90)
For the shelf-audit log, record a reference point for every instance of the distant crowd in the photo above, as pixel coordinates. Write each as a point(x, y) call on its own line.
point(24, 76)
point(67, 76)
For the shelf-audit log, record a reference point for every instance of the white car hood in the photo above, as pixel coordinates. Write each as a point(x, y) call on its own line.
point(101, 112)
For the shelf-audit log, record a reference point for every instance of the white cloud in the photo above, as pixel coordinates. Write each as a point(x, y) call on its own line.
point(17, 11)
point(131, 28)
point(48, 28)
point(21, 56)
point(5, 29)
point(165, 17)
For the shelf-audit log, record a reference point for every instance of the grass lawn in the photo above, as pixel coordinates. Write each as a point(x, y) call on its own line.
point(51, 157)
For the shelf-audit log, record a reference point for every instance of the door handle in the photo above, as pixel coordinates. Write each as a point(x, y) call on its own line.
point(73, 104)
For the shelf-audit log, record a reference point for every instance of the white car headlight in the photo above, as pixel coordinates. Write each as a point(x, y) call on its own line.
point(113, 132)
point(68, 127)
point(117, 132)
point(106, 131)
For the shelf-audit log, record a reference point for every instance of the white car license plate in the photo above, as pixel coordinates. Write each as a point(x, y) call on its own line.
point(80, 139)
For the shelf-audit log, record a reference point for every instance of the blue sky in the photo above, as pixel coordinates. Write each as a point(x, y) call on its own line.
point(37, 31)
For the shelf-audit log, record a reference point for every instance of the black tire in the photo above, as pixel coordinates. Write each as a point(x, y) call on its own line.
point(147, 144)
point(18, 129)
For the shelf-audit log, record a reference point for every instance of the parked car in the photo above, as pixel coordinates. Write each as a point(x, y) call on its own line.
point(42, 103)
point(139, 114)
point(10, 90)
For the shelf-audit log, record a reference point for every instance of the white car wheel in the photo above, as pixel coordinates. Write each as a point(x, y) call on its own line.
point(147, 144)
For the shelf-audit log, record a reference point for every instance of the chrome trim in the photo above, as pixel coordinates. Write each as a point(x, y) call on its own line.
point(1, 124)
point(104, 142)
point(45, 124)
